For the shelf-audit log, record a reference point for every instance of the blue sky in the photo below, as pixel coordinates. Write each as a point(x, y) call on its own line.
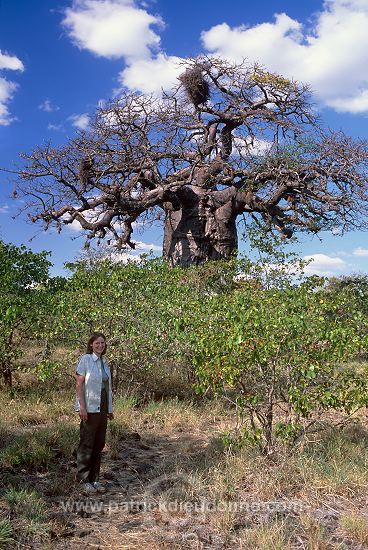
point(60, 59)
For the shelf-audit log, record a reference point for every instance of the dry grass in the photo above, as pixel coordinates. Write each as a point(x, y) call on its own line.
point(40, 430)
point(265, 537)
point(39, 448)
point(173, 415)
point(355, 526)
point(337, 463)
point(313, 533)
point(23, 409)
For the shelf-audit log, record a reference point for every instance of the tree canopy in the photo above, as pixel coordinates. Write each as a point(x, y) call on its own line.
point(230, 141)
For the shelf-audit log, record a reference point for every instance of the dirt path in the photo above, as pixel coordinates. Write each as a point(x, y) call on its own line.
point(131, 513)
point(150, 475)
point(140, 510)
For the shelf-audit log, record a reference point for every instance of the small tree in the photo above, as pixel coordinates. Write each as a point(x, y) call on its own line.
point(23, 301)
point(282, 352)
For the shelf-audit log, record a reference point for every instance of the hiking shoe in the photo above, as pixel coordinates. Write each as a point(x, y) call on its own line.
point(98, 486)
point(88, 489)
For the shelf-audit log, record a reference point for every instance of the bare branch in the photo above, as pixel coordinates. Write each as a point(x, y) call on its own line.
point(248, 141)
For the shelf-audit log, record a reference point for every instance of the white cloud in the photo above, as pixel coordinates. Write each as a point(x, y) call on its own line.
point(80, 121)
point(148, 247)
point(360, 252)
point(125, 257)
point(245, 145)
point(108, 252)
point(48, 107)
point(267, 42)
point(119, 29)
point(7, 88)
point(4, 209)
point(119, 256)
point(56, 127)
point(112, 28)
point(331, 55)
point(138, 224)
point(74, 226)
point(336, 230)
point(324, 265)
point(355, 105)
point(152, 75)
point(10, 62)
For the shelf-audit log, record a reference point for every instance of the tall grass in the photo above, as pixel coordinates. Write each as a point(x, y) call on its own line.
point(6, 534)
point(39, 447)
point(29, 515)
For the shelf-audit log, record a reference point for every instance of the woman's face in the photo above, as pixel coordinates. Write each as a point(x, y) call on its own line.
point(98, 345)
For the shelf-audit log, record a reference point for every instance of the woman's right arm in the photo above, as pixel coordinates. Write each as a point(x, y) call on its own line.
point(80, 394)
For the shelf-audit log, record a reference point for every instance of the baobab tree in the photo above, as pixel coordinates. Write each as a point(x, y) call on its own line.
point(230, 141)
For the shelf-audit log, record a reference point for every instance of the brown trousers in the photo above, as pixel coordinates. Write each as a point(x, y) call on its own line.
point(91, 443)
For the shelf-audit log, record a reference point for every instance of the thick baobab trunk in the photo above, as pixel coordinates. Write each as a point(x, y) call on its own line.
point(201, 231)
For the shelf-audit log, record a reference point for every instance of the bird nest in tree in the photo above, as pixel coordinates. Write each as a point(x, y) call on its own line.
point(195, 85)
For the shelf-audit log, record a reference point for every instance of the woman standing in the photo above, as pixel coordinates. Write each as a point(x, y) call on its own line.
point(94, 403)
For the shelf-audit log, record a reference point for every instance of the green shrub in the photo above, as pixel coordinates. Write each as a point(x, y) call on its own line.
point(279, 351)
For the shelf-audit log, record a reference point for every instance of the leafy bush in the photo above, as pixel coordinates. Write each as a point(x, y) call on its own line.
point(23, 301)
point(142, 310)
point(276, 344)
point(279, 352)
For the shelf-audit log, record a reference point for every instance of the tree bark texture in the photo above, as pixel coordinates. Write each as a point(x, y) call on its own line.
point(203, 230)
